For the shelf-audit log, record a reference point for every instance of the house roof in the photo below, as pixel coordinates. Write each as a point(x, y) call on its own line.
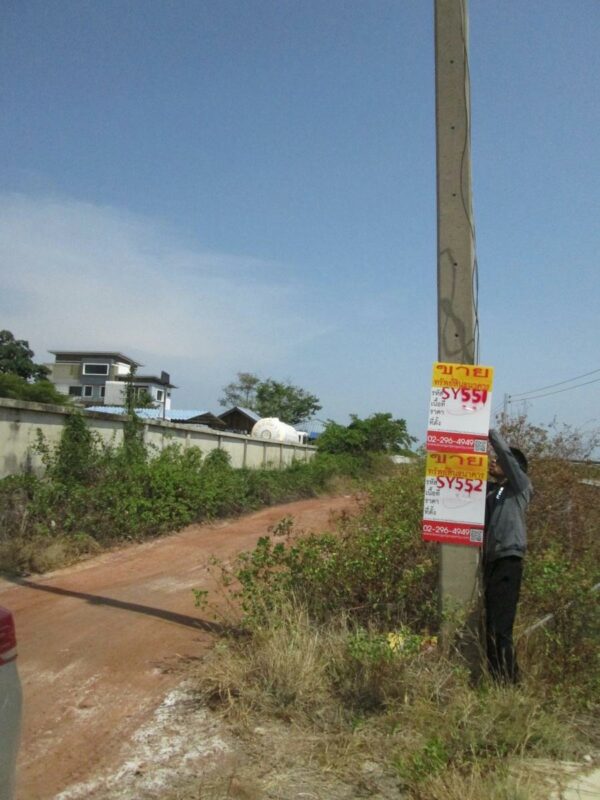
point(97, 354)
point(146, 379)
point(206, 417)
point(252, 415)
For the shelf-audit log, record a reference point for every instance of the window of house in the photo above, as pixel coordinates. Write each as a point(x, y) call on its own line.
point(75, 391)
point(87, 391)
point(159, 395)
point(102, 391)
point(95, 369)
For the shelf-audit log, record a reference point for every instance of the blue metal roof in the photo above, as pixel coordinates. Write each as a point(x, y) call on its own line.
point(313, 427)
point(153, 413)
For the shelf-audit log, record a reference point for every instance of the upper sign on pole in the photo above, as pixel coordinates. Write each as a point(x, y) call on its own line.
point(460, 408)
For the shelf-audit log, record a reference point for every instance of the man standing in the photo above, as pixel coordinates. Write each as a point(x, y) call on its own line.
point(504, 545)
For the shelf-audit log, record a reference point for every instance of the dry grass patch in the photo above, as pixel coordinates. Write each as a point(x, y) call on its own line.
point(383, 720)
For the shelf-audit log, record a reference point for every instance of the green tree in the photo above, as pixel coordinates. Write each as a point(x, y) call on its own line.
point(241, 392)
point(379, 433)
point(290, 403)
point(270, 398)
point(16, 358)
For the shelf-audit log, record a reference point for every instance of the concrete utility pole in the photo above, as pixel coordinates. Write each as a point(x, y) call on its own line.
point(456, 243)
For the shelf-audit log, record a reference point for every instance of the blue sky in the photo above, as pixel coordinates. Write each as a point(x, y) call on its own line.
point(212, 187)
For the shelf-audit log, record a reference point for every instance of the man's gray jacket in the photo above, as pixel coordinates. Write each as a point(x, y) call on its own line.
point(505, 530)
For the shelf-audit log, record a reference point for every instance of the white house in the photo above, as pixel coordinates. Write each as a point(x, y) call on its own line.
point(94, 377)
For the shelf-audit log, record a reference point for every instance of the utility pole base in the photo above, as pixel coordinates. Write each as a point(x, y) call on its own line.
point(462, 606)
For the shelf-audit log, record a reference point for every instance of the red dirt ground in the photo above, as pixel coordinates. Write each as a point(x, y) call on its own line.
point(96, 640)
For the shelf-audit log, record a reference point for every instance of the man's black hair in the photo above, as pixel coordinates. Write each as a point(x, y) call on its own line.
point(521, 458)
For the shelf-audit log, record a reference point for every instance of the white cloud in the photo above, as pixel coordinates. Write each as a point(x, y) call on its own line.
point(77, 275)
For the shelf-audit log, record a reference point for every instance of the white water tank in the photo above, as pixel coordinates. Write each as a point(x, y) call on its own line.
point(272, 429)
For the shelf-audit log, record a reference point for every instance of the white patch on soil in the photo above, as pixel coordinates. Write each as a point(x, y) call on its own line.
point(46, 676)
point(175, 744)
point(172, 585)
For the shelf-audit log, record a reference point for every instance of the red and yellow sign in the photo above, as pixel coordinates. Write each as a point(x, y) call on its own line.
point(457, 463)
point(459, 408)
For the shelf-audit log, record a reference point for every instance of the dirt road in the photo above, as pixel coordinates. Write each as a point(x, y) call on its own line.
point(97, 640)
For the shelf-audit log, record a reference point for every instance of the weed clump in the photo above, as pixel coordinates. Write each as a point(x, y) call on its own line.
point(375, 569)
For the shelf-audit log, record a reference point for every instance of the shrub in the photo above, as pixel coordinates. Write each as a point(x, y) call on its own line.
point(376, 569)
point(563, 560)
point(77, 455)
point(16, 387)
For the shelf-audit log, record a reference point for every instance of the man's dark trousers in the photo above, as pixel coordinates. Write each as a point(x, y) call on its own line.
point(502, 583)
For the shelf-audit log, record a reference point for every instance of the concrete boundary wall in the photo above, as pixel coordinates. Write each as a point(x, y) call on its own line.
point(21, 420)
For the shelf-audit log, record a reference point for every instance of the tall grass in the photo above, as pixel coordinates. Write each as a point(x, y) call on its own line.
point(413, 711)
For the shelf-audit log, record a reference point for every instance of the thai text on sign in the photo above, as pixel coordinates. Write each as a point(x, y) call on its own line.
point(464, 376)
point(454, 506)
point(459, 408)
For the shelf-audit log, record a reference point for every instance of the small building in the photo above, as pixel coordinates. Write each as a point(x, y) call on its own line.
point(239, 420)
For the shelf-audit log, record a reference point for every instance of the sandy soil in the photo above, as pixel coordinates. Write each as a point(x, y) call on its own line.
point(99, 643)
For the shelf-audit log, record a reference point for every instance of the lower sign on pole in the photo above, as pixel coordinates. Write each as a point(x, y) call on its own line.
point(454, 508)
